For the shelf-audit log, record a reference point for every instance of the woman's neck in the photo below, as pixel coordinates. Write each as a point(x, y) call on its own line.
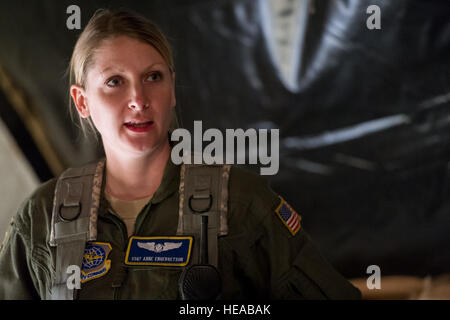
point(131, 178)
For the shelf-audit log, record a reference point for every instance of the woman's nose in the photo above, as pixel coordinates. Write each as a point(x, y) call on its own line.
point(138, 99)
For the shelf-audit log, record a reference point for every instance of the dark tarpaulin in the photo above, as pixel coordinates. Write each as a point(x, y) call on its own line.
point(363, 114)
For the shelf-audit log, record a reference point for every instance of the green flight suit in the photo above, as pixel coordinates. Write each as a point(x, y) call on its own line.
point(259, 258)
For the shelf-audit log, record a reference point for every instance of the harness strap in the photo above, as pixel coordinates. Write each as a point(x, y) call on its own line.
point(74, 221)
point(67, 253)
point(204, 192)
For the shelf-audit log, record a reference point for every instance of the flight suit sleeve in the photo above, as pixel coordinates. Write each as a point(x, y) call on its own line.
point(298, 270)
point(268, 253)
point(17, 268)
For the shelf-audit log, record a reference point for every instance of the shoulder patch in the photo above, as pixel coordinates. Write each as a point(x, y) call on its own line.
point(95, 263)
point(288, 216)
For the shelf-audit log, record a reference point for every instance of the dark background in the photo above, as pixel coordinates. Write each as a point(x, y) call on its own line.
point(364, 136)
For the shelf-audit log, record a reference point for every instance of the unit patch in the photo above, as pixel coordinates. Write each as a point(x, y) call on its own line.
point(159, 251)
point(290, 218)
point(95, 263)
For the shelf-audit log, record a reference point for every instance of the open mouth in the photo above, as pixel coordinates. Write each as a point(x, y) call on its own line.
point(138, 126)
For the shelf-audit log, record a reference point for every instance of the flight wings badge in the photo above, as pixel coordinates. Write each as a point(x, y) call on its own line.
point(159, 247)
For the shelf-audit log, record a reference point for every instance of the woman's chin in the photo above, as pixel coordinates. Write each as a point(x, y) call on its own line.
point(140, 149)
point(144, 148)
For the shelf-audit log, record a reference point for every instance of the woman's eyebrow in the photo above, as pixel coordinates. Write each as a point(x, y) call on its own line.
point(110, 68)
point(121, 70)
point(153, 65)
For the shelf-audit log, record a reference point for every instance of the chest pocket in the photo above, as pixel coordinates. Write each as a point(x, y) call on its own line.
point(151, 282)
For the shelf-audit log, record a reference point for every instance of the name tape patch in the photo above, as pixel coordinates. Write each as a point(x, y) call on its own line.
point(159, 251)
point(95, 263)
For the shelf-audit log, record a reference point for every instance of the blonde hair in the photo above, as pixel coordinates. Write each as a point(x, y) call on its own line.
point(106, 24)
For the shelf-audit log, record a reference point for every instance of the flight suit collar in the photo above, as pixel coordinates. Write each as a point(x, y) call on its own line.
point(169, 185)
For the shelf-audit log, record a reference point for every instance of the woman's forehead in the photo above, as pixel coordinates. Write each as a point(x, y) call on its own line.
point(122, 52)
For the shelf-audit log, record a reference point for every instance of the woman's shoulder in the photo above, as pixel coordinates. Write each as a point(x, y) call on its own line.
point(250, 192)
point(36, 209)
point(42, 199)
point(245, 184)
point(42, 195)
point(45, 190)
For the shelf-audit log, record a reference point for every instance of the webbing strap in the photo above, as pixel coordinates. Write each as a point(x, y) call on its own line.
point(68, 253)
point(203, 192)
point(74, 221)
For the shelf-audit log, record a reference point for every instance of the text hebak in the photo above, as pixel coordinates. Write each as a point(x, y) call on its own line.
point(236, 309)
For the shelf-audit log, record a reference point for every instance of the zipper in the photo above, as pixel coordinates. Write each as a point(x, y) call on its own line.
point(140, 217)
point(121, 225)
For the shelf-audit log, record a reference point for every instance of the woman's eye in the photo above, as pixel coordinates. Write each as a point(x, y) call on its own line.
point(114, 82)
point(154, 76)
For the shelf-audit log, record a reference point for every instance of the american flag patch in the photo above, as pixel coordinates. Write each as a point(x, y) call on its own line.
point(290, 218)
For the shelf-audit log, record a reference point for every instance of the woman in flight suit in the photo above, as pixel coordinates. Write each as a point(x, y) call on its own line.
point(123, 85)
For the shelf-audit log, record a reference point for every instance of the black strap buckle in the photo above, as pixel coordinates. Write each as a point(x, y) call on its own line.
point(69, 213)
point(200, 210)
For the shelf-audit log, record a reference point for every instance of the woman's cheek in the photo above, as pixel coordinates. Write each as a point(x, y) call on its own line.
point(109, 97)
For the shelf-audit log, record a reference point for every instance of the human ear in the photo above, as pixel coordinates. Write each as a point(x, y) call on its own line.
point(79, 99)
